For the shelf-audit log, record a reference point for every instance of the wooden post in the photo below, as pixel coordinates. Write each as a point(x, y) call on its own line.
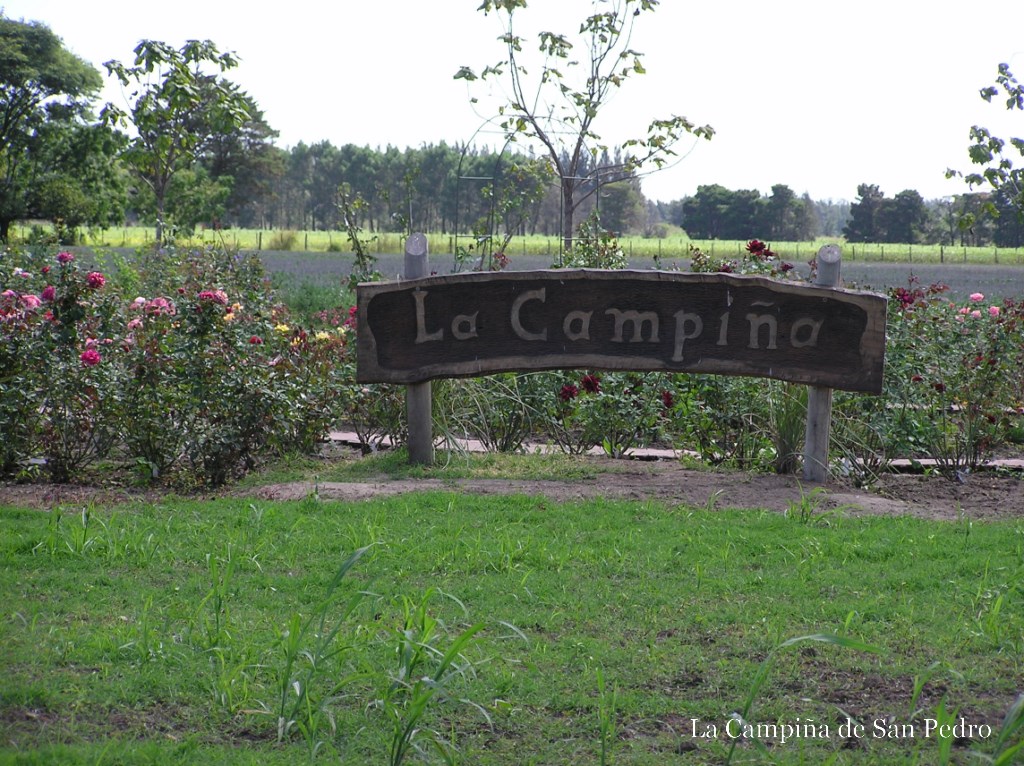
point(819, 398)
point(418, 402)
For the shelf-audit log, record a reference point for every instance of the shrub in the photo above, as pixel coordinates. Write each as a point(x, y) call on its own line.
point(198, 377)
point(283, 240)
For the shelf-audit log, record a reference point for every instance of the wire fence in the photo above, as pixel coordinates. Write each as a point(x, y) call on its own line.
point(636, 248)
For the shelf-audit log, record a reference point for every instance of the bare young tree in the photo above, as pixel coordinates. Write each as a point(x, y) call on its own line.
point(558, 103)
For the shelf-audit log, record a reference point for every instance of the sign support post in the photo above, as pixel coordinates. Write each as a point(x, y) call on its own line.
point(819, 398)
point(418, 397)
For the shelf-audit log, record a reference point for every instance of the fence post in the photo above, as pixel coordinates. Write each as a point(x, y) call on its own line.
point(418, 403)
point(819, 398)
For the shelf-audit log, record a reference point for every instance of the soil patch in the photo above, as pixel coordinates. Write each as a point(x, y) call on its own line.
point(984, 495)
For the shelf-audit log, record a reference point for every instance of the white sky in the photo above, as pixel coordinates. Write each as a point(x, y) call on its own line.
point(818, 94)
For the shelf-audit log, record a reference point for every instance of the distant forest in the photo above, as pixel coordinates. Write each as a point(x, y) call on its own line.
point(446, 188)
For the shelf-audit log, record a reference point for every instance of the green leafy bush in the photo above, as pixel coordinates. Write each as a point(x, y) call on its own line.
point(197, 377)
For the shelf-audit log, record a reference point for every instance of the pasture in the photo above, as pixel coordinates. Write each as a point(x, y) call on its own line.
point(637, 248)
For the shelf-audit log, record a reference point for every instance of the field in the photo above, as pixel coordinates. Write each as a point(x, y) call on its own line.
point(226, 630)
point(309, 270)
point(307, 261)
point(637, 248)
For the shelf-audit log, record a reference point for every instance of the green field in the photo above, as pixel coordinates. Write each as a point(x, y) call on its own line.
point(219, 631)
point(673, 247)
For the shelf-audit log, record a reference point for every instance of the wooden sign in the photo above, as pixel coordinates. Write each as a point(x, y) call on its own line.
point(481, 323)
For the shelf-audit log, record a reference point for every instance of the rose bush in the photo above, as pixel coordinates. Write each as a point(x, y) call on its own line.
point(189, 379)
point(953, 385)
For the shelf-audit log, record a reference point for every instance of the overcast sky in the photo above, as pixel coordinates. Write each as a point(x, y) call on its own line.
point(816, 94)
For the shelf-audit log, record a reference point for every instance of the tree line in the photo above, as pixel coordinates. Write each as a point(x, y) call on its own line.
point(193, 150)
point(970, 219)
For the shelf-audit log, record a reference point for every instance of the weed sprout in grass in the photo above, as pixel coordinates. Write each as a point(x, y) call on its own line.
point(424, 672)
point(307, 646)
point(607, 709)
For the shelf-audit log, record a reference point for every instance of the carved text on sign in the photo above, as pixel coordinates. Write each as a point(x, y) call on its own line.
point(629, 325)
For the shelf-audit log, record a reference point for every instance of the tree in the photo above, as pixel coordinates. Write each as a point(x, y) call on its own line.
point(623, 208)
point(715, 212)
point(77, 181)
point(247, 156)
point(176, 110)
point(704, 214)
point(1009, 228)
point(40, 82)
point(903, 219)
point(789, 218)
point(987, 151)
point(557, 104)
point(864, 224)
point(832, 216)
point(808, 220)
point(780, 212)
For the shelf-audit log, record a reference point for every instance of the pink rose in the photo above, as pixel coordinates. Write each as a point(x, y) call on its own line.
point(977, 297)
point(159, 306)
point(993, 311)
point(30, 301)
point(65, 257)
point(95, 280)
point(216, 296)
point(90, 357)
point(976, 314)
point(49, 293)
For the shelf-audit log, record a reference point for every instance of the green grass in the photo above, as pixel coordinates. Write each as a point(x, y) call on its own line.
point(636, 247)
point(174, 632)
point(394, 464)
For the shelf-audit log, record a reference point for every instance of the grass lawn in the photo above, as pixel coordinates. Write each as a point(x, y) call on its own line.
point(228, 631)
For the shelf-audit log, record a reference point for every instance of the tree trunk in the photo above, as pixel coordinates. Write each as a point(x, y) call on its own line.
point(5, 230)
point(159, 194)
point(568, 210)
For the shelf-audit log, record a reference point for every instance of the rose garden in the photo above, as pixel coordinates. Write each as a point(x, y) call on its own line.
point(181, 368)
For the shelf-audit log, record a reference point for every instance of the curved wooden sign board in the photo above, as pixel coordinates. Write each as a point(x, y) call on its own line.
point(480, 323)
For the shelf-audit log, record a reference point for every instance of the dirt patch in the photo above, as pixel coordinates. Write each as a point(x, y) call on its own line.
point(984, 495)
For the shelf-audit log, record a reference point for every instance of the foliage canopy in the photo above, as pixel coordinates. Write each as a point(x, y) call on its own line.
point(45, 92)
point(990, 153)
point(177, 110)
